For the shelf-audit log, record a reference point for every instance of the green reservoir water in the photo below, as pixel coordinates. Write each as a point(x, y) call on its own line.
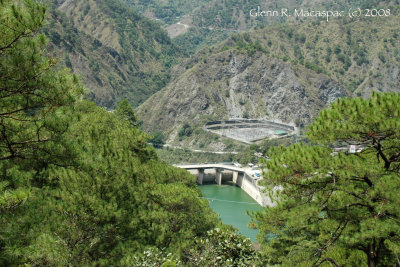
point(232, 204)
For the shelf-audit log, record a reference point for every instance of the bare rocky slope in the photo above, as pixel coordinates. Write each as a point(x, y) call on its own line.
point(286, 72)
point(233, 85)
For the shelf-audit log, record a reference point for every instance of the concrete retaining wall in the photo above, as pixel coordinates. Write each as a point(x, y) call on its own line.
point(250, 187)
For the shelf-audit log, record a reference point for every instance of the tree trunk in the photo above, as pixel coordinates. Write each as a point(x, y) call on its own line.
point(371, 262)
point(372, 256)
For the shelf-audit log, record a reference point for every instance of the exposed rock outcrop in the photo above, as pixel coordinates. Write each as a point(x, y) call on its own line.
point(234, 85)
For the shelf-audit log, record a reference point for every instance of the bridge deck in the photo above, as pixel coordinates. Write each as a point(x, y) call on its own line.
point(211, 166)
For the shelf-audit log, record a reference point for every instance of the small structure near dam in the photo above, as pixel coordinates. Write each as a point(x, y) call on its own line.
point(219, 173)
point(249, 131)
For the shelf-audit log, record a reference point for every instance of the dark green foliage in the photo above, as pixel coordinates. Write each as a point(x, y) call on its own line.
point(221, 248)
point(125, 111)
point(143, 39)
point(86, 9)
point(381, 56)
point(298, 53)
point(300, 38)
point(337, 49)
point(314, 67)
point(345, 60)
point(186, 130)
point(116, 199)
point(34, 101)
point(338, 207)
point(244, 44)
point(247, 155)
point(158, 140)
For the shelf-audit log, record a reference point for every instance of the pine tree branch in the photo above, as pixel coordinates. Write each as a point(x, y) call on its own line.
point(325, 260)
point(378, 146)
point(370, 208)
point(335, 236)
point(19, 36)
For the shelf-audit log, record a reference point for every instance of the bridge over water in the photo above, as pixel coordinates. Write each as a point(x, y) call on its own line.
point(238, 172)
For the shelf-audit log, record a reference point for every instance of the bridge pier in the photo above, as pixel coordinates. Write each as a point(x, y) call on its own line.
point(218, 176)
point(200, 177)
point(234, 176)
point(238, 178)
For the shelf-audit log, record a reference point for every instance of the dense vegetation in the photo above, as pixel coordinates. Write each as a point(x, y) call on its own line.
point(30, 94)
point(338, 208)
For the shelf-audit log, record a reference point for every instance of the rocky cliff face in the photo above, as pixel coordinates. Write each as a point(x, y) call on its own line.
point(230, 84)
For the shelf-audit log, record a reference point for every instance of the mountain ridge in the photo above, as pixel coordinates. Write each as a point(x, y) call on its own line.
point(271, 73)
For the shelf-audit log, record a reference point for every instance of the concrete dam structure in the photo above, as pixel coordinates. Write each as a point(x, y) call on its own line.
point(219, 173)
point(249, 131)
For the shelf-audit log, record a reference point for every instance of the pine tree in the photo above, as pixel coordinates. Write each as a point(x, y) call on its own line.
point(31, 91)
point(115, 200)
point(338, 207)
point(34, 104)
point(125, 111)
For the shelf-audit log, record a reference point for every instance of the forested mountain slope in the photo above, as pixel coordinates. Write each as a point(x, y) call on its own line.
point(235, 14)
point(196, 24)
point(122, 54)
point(363, 55)
point(119, 53)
